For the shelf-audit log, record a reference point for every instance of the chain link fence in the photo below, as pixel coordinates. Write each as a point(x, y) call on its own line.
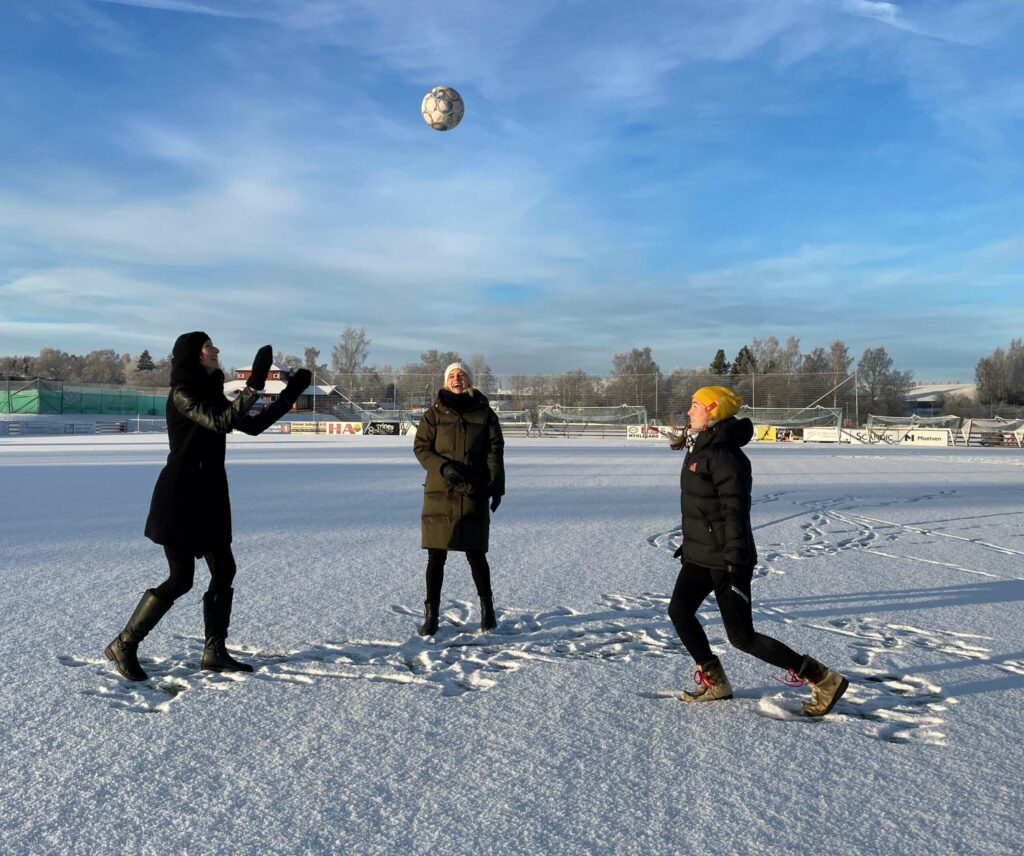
point(664, 397)
point(402, 396)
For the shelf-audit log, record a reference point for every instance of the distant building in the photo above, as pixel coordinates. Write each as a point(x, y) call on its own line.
point(277, 379)
point(926, 398)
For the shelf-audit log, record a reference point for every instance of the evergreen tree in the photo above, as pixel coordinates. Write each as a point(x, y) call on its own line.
point(744, 363)
point(145, 362)
point(719, 365)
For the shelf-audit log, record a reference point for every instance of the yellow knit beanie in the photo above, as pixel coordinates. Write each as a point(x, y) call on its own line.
point(720, 401)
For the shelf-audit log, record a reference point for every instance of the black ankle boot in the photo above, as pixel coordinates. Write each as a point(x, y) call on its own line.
point(487, 619)
point(123, 651)
point(429, 626)
point(217, 617)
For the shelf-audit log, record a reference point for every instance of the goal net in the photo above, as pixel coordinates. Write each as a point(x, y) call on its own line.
point(992, 432)
point(515, 422)
point(794, 417)
point(880, 423)
point(912, 430)
point(556, 420)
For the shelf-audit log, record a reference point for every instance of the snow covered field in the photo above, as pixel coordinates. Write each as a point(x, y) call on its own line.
point(556, 734)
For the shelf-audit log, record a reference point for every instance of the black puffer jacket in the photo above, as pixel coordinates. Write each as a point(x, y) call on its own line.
point(190, 509)
point(715, 497)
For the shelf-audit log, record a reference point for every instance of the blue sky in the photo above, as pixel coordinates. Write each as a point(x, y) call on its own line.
point(681, 175)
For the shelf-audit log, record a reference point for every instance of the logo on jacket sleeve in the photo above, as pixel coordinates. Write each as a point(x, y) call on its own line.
point(693, 467)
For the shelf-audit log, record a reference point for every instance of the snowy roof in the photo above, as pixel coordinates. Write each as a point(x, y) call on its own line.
point(275, 387)
point(274, 367)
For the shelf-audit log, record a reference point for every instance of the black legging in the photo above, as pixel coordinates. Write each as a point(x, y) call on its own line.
point(435, 573)
point(732, 591)
point(220, 561)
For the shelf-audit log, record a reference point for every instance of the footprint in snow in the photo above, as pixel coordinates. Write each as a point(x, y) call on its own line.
point(455, 661)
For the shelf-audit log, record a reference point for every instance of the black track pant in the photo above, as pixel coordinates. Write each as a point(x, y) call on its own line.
point(732, 591)
point(435, 573)
point(182, 563)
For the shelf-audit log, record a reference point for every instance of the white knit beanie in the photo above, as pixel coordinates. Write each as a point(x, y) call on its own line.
point(452, 367)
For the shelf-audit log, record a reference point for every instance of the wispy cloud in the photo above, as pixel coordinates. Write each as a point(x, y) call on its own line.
point(184, 7)
point(686, 177)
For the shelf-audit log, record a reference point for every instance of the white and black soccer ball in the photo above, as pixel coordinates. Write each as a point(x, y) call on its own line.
point(442, 108)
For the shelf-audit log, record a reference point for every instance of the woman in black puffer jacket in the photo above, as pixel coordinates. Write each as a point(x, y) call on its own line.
point(190, 514)
point(718, 554)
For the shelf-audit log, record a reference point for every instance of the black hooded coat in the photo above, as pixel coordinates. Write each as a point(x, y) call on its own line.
point(191, 509)
point(715, 497)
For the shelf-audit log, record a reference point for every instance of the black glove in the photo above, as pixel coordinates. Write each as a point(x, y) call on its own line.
point(298, 383)
point(454, 473)
point(260, 368)
point(738, 570)
point(495, 502)
point(678, 554)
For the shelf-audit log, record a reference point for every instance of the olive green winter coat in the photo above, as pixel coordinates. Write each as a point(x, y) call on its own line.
point(457, 517)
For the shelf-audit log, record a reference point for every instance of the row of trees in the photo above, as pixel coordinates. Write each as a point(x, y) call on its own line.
point(1000, 376)
point(766, 372)
point(99, 367)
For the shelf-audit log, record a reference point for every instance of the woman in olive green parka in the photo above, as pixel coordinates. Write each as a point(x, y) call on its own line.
point(459, 444)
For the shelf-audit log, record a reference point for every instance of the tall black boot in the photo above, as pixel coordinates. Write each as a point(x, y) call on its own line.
point(217, 617)
point(487, 619)
point(123, 651)
point(429, 626)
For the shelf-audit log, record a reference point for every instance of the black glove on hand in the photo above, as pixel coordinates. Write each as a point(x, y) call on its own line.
point(678, 554)
point(298, 383)
point(260, 368)
point(495, 502)
point(454, 473)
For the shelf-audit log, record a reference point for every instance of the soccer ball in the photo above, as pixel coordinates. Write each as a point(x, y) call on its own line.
point(442, 108)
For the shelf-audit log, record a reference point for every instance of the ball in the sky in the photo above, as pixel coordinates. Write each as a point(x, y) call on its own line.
point(442, 108)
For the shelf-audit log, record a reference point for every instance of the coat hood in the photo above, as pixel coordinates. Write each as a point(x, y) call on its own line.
point(185, 358)
point(735, 432)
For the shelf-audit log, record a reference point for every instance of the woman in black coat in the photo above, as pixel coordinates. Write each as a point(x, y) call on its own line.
point(190, 514)
point(718, 554)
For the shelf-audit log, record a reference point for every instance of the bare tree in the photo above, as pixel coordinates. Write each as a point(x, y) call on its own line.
point(839, 358)
point(767, 355)
point(483, 377)
point(636, 380)
point(816, 362)
point(789, 356)
point(349, 355)
point(102, 367)
point(1000, 376)
point(884, 387)
point(54, 364)
point(310, 357)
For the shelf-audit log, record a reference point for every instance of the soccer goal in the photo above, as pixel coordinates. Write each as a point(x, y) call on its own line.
point(554, 420)
point(785, 424)
point(992, 432)
point(913, 430)
point(517, 423)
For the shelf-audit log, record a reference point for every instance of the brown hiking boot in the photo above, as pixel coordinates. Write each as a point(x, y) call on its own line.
point(826, 686)
point(712, 684)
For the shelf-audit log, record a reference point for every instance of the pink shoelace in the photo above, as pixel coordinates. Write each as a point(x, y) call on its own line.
point(791, 679)
point(701, 680)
